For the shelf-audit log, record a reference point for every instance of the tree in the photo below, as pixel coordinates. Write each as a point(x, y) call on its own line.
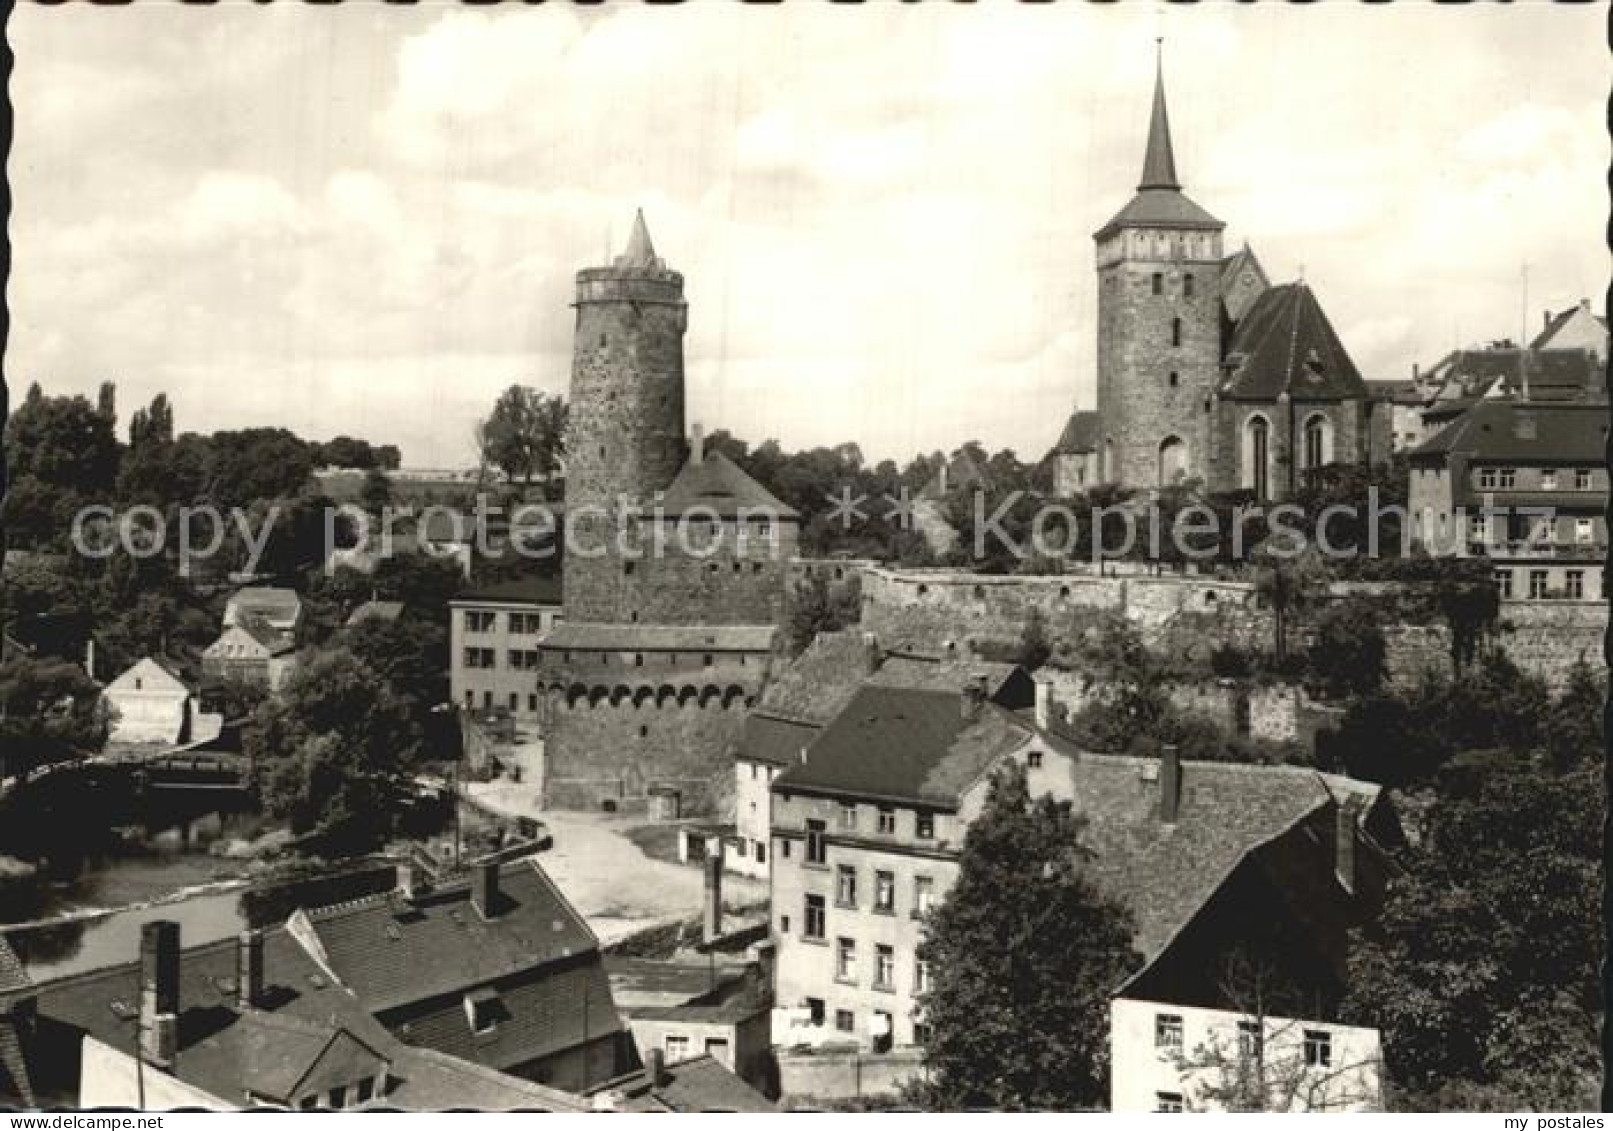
point(1573, 724)
point(334, 752)
point(1025, 952)
point(1034, 648)
point(1289, 584)
point(1347, 658)
point(815, 606)
point(525, 434)
point(410, 653)
point(376, 493)
point(50, 711)
point(1484, 971)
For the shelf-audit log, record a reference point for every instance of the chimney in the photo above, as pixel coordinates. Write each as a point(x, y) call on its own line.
point(711, 928)
point(1348, 813)
point(657, 1068)
point(159, 992)
point(1170, 783)
point(249, 969)
point(1545, 319)
point(1416, 372)
point(872, 656)
point(697, 443)
point(1044, 703)
point(484, 888)
point(974, 694)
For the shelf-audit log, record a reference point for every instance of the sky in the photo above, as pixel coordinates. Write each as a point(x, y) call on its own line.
point(367, 220)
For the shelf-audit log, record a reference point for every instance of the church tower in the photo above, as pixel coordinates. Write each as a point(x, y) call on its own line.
point(1159, 325)
point(625, 438)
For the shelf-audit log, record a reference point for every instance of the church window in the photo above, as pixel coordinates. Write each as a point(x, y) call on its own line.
point(1187, 286)
point(1259, 457)
point(1316, 442)
point(1159, 283)
point(1176, 331)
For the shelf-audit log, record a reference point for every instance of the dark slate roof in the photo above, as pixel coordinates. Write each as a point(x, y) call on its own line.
point(638, 984)
point(16, 1076)
point(694, 1085)
point(260, 630)
point(1159, 160)
point(1160, 208)
point(905, 745)
point(534, 589)
point(1080, 434)
point(1565, 435)
point(1285, 343)
point(772, 740)
point(376, 610)
point(715, 483)
point(392, 950)
point(1165, 872)
point(583, 637)
point(818, 682)
point(224, 1050)
point(1552, 375)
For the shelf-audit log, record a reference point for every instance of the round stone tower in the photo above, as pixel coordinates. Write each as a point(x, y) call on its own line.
point(1159, 326)
point(625, 434)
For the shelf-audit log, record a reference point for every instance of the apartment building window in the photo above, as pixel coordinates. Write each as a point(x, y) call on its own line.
point(480, 658)
point(885, 892)
point(923, 894)
point(761, 852)
point(1503, 583)
point(1582, 479)
point(816, 919)
point(1506, 478)
point(532, 703)
point(1584, 530)
point(677, 1048)
point(477, 621)
point(884, 967)
point(1486, 479)
point(816, 852)
point(1574, 585)
point(924, 825)
point(845, 1021)
point(523, 659)
point(921, 976)
point(1168, 1102)
point(1318, 1048)
point(815, 1010)
point(848, 815)
point(1537, 584)
point(1168, 1031)
point(783, 924)
point(526, 624)
point(1249, 1039)
point(846, 886)
point(845, 960)
point(1548, 479)
point(887, 819)
point(1478, 527)
point(1033, 760)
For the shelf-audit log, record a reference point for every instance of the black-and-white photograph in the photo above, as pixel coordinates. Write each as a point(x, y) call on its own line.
point(805, 557)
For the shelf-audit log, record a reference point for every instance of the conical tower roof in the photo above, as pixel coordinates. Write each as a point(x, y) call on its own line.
point(1159, 163)
point(640, 250)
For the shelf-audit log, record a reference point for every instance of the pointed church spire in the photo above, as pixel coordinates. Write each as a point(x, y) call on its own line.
point(1159, 166)
point(640, 251)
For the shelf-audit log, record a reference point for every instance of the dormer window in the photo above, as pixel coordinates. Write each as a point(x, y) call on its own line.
point(483, 1011)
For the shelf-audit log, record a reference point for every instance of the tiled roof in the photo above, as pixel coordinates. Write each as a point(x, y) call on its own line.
point(266, 600)
point(13, 977)
point(1080, 433)
point(583, 637)
point(1285, 343)
point(533, 589)
point(1165, 872)
point(1566, 435)
point(275, 641)
point(1551, 374)
point(900, 744)
point(715, 484)
point(223, 1050)
point(1160, 208)
point(695, 1085)
point(391, 950)
point(16, 1077)
point(646, 983)
point(817, 685)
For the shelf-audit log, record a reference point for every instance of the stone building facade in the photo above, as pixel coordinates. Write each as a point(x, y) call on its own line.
point(675, 565)
point(1206, 373)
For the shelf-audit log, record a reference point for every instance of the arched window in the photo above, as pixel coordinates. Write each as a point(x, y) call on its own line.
point(1172, 461)
point(1176, 331)
point(1318, 442)
point(1257, 457)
